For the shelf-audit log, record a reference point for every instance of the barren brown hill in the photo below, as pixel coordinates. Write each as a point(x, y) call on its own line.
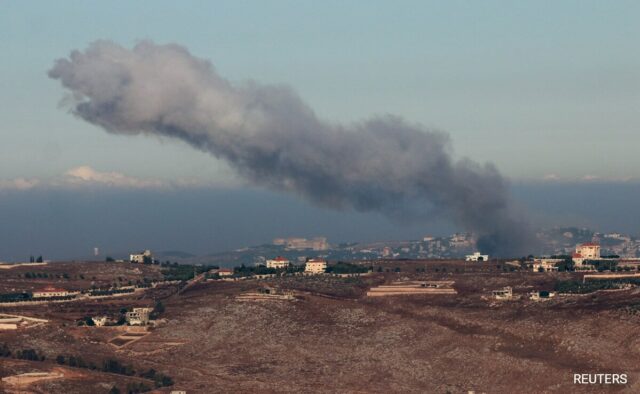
point(332, 338)
point(74, 275)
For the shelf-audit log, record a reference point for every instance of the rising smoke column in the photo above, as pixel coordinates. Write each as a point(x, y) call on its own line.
point(273, 139)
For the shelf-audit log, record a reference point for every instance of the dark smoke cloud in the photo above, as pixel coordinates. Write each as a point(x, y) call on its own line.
point(272, 138)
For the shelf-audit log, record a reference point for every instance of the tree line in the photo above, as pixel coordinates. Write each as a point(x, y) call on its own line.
point(110, 365)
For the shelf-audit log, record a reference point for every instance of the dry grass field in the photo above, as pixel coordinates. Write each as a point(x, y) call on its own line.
point(332, 338)
point(73, 276)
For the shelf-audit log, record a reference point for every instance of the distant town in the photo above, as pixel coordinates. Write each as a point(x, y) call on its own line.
point(552, 242)
point(593, 252)
point(133, 316)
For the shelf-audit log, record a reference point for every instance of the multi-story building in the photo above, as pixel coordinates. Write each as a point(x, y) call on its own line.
point(589, 250)
point(278, 263)
point(141, 257)
point(586, 251)
point(138, 316)
point(477, 257)
point(314, 266)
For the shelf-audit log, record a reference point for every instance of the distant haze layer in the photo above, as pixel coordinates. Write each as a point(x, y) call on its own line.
point(63, 223)
point(270, 137)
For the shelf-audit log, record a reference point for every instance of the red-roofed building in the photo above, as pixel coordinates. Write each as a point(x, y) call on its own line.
point(589, 250)
point(586, 251)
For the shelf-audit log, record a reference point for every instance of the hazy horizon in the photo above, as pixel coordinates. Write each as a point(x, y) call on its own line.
point(67, 223)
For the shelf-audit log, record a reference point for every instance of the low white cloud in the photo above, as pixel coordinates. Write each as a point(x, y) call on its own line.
point(590, 178)
point(88, 175)
point(18, 184)
point(616, 179)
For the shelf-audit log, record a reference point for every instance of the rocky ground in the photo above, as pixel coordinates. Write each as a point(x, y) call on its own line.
point(332, 338)
point(74, 275)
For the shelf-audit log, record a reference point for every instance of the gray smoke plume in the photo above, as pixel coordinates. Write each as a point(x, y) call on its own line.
point(272, 138)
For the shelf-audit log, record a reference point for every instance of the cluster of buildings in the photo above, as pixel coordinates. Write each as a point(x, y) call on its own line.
point(312, 266)
point(620, 244)
point(317, 243)
point(135, 317)
point(556, 241)
point(429, 247)
point(584, 252)
point(546, 265)
point(452, 246)
point(506, 293)
point(563, 240)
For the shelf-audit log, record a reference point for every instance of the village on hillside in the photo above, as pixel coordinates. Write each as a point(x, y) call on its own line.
point(131, 318)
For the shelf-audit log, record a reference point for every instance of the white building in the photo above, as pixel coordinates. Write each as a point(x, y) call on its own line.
point(505, 293)
point(589, 250)
point(314, 266)
point(100, 321)
point(545, 265)
point(140, 257)
point(138, 316)
point(49, 292)
point(477, 257)
point(224, 272)
point(586, 251)
point(278, 263)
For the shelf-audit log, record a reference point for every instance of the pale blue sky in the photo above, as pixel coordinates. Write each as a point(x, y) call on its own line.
point(537, 87)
